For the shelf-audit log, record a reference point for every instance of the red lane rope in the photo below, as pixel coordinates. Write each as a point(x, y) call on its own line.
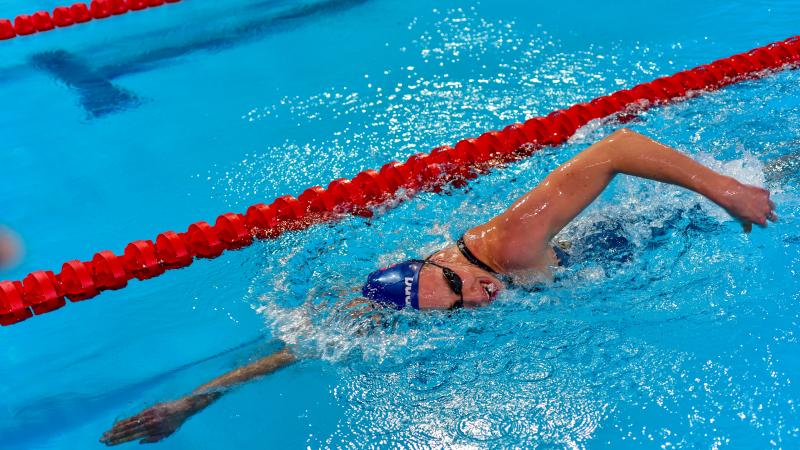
point(43, 291)
point(64, 16)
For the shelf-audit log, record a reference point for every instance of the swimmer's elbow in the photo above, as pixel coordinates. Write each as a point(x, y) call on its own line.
point(623, 132)
point(618, 147)
point(621, 137)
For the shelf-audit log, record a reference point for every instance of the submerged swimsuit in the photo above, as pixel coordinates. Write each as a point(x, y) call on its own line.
point(561, 255)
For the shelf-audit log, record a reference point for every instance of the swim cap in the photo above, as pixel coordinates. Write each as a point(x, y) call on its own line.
point(396, 286)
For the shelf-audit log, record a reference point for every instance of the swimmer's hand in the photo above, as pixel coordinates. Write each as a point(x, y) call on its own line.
point(159, 421)
point(748, 204)
point(155, 423)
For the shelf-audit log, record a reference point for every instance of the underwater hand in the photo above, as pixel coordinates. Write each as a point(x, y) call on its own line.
point(154, 423)
point(749, 204)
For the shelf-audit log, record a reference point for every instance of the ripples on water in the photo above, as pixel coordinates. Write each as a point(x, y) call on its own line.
point(671, 348)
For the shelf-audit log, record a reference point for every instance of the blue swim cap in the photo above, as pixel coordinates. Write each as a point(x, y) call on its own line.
point(396, 286)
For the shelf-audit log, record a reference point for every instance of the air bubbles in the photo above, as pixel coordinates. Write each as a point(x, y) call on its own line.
point(529, 371)
point(429, 376)
point(484, 427)
point(493, 364)
point(427, 99)
point(617, 332)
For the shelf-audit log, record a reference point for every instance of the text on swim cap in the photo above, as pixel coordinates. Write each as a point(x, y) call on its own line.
point(409, 282)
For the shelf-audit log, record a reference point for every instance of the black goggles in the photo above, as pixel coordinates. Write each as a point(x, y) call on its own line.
point(454, 282)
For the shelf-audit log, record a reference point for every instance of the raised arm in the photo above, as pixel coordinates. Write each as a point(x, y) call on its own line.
point(532, 221)
point(159, 421)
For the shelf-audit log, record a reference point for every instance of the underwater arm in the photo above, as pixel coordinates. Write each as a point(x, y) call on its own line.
point(533, 220)
point(263, 366)
point(159, 421)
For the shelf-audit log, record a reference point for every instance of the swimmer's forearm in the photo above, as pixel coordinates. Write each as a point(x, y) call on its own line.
point(206, 394)
point(634, 154)
point(263, 366)
point(536, 217)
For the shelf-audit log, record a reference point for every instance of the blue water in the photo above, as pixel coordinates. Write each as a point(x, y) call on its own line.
point(179, 113)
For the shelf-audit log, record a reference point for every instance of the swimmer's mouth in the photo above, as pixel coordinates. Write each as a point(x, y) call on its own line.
point(490, 289)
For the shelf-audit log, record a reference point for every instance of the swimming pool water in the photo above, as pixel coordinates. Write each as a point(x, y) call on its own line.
point(689, 344)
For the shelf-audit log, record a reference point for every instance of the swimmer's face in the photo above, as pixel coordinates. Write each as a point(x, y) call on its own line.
point(435, 292)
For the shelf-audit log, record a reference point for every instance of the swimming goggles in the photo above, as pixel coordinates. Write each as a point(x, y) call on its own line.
point(454, 282)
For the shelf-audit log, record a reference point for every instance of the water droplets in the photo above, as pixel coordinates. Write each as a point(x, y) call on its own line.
point(485, 427)
point(618, 340)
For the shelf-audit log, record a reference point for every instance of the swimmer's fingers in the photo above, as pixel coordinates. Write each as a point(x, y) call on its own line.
point(772, 217)
point(121, 428)
point(138, 434)
point(118, 436)
point(747, 227)
point(766, 217)
point(139, 426)
point(125, 423)
point(148, 432)
point(121, 436)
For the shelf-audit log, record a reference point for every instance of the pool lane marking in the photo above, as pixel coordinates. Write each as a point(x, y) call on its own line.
point(77, 13)
point(43, 291)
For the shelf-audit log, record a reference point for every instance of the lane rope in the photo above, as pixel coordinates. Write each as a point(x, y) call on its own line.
point(65, 16)
point(43, 291)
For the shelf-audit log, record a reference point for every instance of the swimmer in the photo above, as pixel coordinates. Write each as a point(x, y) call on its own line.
point(10, 248)
point(516, 244)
